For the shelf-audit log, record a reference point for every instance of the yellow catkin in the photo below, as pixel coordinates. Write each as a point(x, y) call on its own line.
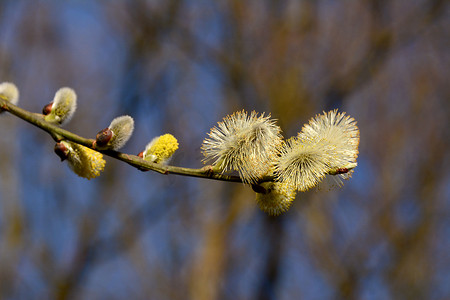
point(84, 161)
point(276, 199)
point(161, 148)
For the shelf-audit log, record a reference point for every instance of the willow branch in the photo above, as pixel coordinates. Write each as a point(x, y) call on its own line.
point(59, 134)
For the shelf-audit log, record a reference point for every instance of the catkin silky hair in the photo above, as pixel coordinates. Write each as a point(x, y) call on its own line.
point(328, 142)
point(116, 135)
point(9, 91)
point(83, 161)
point(244, 143)
point(61, 110)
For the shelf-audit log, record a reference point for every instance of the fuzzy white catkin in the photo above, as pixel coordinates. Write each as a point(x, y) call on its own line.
point(327, 142)
point(10, 91)
point(244, 143)
point(339, 132)
point(63, 107)
point(122, 128)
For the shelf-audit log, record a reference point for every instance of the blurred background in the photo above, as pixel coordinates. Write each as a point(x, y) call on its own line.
point(179, 67)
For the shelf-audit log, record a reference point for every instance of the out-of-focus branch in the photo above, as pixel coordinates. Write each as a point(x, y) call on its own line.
point(59, 134)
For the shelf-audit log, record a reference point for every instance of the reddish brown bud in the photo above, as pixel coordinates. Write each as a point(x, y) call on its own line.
point(61, 151)
point(341, 171)
point(47, 109)
point(141, 155)
point(260, 189)
point(103, 137)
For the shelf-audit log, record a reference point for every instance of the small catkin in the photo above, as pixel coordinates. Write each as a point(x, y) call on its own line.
point(276, 198)
point(10, 92)
point(63, 106)
point(161, 149)
point(116, 135)
point(84, 161)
